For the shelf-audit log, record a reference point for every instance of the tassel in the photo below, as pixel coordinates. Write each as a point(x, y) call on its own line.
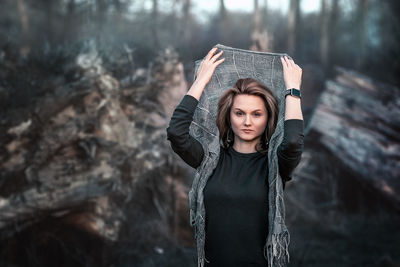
point(276, 248)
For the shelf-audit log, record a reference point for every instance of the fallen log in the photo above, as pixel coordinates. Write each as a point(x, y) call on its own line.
point(359, 122)
point(83, 151)
point(350, 164)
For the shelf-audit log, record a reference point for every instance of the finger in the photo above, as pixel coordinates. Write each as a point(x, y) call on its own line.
point(214, 58)
point(291, 62)
point(284, 63)
point(219, 61)
point(211, 52)
point(287, 61)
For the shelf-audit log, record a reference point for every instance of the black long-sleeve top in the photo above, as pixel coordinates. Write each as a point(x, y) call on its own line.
point(236, 193)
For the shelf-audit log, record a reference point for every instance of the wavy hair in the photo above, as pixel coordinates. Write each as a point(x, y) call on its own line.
point(247, 86)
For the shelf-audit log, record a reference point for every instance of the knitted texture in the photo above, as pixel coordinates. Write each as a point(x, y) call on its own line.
point(266, 68)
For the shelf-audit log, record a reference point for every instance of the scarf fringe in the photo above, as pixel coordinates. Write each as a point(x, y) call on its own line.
point(201, 254)
point(200, 241)
point(275, 249)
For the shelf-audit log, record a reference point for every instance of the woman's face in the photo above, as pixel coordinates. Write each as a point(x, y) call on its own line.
point(248, 118)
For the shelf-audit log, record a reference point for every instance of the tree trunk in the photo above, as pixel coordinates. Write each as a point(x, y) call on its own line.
point(324, 35)
point(117, 5)
point(223, 20)
point(49, 21)
point(265, 12)
point(333, 36)
point(69, 25)
point(23, 16)
point(222, 9)
point(101, 18)
point(328, 34)
point(361, 32)
point(186, 21)
point(294, 12)
point(260, 37)
point(154, 25)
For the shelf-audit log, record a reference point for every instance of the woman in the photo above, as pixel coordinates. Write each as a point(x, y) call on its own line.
point(236, 193)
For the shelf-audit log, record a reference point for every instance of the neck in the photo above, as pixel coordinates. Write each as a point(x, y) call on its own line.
point(245, 147)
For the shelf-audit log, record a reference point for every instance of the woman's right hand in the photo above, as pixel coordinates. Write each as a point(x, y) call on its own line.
point(208, 66)
point(205, 72)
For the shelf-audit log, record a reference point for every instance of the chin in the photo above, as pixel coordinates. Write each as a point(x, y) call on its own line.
point(248, 137)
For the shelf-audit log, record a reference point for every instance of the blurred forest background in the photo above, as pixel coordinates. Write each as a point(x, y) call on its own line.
point(87, 88)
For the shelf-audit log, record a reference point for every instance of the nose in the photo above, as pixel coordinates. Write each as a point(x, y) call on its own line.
point(247, 121)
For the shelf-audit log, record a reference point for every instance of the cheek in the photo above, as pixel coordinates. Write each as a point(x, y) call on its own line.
point(235, 121)
point(261, 125)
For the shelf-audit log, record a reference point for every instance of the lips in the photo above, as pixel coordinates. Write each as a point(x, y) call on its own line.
point(247, 130)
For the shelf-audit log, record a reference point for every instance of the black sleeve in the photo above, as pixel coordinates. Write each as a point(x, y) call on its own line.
point(290, 150)
point(185, 145)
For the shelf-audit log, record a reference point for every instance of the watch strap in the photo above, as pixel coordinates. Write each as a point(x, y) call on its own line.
point(293, 92)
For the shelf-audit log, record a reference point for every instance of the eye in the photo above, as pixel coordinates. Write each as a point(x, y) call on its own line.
point(239, 113)
point(257, 114)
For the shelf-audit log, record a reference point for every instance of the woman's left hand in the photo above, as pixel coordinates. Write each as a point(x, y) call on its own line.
point(291, 73)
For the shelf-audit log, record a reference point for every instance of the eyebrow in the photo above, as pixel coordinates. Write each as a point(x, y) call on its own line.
point(252, 111)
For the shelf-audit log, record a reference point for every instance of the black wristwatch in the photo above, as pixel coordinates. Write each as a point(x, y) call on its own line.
point(293, 92)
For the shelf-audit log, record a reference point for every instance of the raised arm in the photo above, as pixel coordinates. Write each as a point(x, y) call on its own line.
point(185, 145)
point(290, 150)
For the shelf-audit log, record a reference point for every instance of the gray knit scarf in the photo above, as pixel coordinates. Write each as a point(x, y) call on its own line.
point(266, 68)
